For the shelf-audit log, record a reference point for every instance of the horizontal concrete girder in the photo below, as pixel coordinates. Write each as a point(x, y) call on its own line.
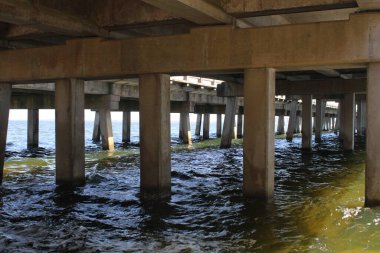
point(337, 44)
point(318, 87)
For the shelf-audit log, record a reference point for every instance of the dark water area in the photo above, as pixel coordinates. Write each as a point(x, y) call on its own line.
point(317, 206)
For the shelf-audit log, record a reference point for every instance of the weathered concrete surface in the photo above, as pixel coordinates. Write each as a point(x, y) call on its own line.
point(96, 130)
point(307, 125)
point(348, 121)
point(126, 138)
point(5, 103)
point(281, 123)
point(33, 128)
point(292, 120)
point(206, 126)
point(69, 119)
point(229, 121)
point(258, 161)
point(198, 124)
point(332, 86)
point(372, 177)
point(155, 177)
point(218, 125)
point(239, 132)
point(319, 118)
point(106, 132)
point(184, 128)
point(195, 52)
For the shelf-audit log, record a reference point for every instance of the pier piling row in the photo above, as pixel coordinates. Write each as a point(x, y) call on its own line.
point(256, 65)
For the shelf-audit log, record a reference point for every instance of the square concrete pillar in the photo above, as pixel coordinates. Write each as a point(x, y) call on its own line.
point(307, 121)
point(184, 127)
point(155, 179)
point(106, 130)
point(229, 121)
point(318, 121)
point(206, 126)
point(372, 177)
point(198, 124)
point(5, 103)
point(240, 126)
point(292, 120)
point(348, 125)
point(69, 124)
point(259, 111)
point(33, 128)
point(126, 135)
point(218, 125)
point(96, 130)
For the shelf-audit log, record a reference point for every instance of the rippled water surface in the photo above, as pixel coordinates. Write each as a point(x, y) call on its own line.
point(317, 207)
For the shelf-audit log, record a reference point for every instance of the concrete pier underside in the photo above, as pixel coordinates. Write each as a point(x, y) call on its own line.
point(326, 61)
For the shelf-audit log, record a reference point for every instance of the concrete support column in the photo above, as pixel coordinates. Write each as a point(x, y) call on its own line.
point(126, 135)
point(348, 121)
point(298, 123)
point(69, 123)
point(372, 177)
point(307, 121)
point(281, 123)
point(206, 126)
point(154, 102)
point(361, 118)
point(96, 131)
point(198, 124)
point(337, 119)
point(106, 130)
point(33, 128)
point(218, 125)
point(259, 112)
point(229, 122)
point(239, 134)
point(341, 119)
point(318, 121)
point(185, 134)
point(292, 120)
point(5, 103)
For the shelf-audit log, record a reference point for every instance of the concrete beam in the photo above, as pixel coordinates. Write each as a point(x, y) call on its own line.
point(197, 11)
point(316, 87)
point(248, 8)
point(69, 118)
point(155, 176)
point(365, 5)
point(24, 12)
point(5, 102)
point(258, 161)
point(196, 52)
